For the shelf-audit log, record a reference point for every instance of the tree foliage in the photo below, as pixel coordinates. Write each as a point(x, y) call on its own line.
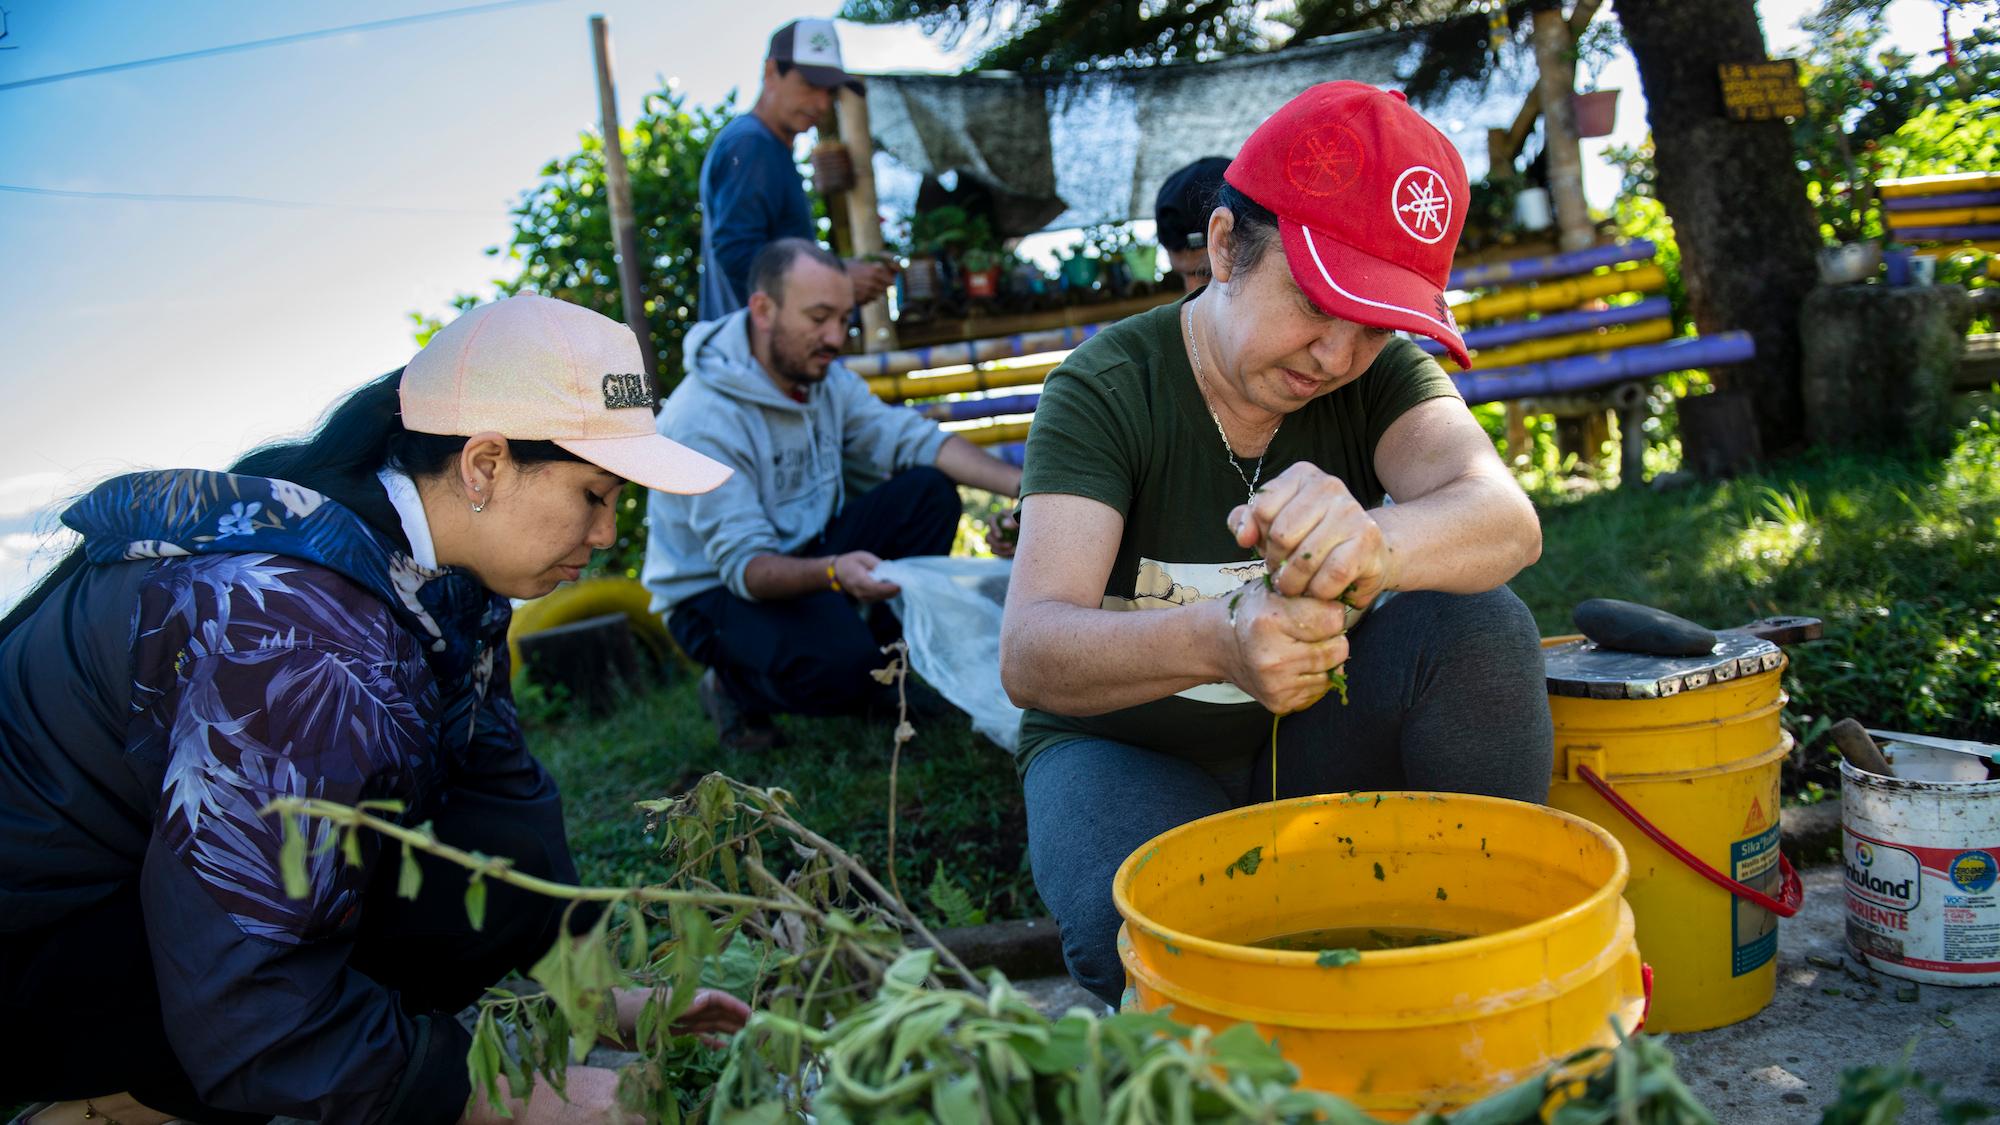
point(562, 246)
point(1048, 36)
point(1874, 114)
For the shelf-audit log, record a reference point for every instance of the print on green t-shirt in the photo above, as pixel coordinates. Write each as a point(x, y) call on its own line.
point(1122, 422)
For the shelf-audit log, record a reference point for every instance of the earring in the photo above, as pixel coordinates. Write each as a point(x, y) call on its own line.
point(481, 506)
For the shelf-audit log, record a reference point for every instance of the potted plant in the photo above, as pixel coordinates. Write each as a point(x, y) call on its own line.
point(1079, 267)
point(1597, 110)
point(981, 261)
point(1142, 262)
point(933, 233)
point(833, 168)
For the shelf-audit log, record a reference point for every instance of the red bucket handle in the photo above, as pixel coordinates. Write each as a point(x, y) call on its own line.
point(1645, 982)
point(1791, 891)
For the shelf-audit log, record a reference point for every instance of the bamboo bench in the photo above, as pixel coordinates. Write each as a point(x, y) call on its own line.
point(1551, 330)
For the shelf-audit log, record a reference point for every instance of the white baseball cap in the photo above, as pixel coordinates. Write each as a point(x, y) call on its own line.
point(538, 369)
point(813, 47)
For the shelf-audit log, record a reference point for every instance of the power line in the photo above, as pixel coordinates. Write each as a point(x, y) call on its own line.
point(206, 52)
point(243, 200)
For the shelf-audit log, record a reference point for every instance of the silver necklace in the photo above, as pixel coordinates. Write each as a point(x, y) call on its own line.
point(1201, 381)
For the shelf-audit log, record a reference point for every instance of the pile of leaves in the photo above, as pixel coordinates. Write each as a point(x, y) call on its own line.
point(860, 1014)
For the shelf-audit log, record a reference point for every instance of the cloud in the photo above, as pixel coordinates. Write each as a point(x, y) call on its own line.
point(32, 492)
point(26, 555)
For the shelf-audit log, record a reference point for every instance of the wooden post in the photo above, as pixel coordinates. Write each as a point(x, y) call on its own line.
point(878, 332)
point(624, 225)
point(1555, 49)
point(838, 220)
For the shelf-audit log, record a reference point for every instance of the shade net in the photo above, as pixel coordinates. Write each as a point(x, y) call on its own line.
point(1070, 150)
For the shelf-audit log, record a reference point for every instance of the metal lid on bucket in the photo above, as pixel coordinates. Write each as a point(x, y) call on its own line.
point(1586, 669)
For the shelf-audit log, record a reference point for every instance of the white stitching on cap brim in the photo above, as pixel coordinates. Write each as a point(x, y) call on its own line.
point(1313, 249)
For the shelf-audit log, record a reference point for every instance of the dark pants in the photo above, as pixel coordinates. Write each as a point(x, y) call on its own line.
point(812, 655)
point(85, 1008)
point(1445, 693)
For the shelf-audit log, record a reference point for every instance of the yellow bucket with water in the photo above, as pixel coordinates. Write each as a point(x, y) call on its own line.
point(1679, 758)
point(1550, 966)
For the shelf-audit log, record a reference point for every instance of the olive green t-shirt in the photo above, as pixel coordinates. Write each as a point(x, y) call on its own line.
point(1122, 422)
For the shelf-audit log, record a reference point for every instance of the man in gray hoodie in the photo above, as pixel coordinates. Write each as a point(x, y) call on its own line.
point(758, 579)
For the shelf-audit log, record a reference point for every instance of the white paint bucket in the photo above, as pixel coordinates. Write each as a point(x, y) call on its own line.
point(1923, 876)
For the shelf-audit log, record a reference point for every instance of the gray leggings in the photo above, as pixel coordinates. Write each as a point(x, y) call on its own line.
point(1445, 693)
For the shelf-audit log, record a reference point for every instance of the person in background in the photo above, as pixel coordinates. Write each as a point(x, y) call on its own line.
point(327, 620)
point(751, 194)
point(1181, 212)
point(758, 579)
point(1205, 522)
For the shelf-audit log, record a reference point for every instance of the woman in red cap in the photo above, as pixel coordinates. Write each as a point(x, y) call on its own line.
point(327, 620)
point(1222, 466)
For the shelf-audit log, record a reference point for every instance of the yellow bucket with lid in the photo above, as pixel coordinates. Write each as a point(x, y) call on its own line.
point(1550, 968)
point(1679, 758)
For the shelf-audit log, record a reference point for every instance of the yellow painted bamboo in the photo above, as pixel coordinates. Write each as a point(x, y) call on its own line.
point(1579, 343)
point(994, 435)
point(1939, 185)
point(1945, 217)
point(1648, 278)
point(896, 388)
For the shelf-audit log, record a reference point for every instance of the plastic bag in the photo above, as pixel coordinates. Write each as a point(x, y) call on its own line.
point(950, 609)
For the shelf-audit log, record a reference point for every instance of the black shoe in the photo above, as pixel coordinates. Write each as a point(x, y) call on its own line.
point(736, 729)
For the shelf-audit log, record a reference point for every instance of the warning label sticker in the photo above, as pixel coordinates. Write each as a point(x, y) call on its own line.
point(1754, 930)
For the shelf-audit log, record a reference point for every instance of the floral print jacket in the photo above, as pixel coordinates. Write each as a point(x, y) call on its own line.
point(275, 644)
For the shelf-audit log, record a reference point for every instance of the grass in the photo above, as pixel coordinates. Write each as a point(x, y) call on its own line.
point(959, 811)
point(1899, 555)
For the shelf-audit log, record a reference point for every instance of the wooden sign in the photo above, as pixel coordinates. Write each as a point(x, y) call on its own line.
point(1763, 91)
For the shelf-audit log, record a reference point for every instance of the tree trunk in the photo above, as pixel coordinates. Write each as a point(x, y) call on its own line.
point(1555, 54)
point(1747, 235)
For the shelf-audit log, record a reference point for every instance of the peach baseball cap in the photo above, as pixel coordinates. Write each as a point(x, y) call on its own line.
point(538, 369)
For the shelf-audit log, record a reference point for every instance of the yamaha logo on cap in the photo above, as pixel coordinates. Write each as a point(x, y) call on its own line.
point(1423, 204)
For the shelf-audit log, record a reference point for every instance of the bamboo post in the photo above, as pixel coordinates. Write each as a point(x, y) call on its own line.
point(624, 225)
point(878, 332)
point(1555, 54)
point(838, 232)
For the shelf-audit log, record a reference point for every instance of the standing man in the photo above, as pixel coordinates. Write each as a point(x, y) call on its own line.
point(751, 194)
point(759, 579)
point(1181, 212)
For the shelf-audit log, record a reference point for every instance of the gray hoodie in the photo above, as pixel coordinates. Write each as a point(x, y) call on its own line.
point(790, 459)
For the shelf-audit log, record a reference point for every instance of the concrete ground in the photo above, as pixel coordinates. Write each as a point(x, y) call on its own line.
point(1782, 1065)
point(1831, 1014)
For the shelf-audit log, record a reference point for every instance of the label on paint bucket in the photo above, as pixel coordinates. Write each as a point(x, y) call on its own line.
point(1753, 930)
point(1935, 909)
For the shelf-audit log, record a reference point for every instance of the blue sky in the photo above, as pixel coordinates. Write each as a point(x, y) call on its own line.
point(146, 333)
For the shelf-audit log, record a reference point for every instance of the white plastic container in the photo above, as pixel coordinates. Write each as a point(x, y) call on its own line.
point(1923, 873)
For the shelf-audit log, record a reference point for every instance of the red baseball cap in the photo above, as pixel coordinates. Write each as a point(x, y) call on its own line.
point(1370, 199)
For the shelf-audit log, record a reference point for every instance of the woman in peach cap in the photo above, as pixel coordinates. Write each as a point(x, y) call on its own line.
point(328, 620)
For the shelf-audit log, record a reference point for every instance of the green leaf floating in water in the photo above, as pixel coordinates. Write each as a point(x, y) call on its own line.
point(1335, 958)
point(1247, 863)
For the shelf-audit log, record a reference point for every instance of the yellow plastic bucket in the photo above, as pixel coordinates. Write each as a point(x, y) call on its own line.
point(1550, 968)
point(592, 597)
point(1701, 767)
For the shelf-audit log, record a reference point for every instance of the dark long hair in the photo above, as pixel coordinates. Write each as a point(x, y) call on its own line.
point(361, 435)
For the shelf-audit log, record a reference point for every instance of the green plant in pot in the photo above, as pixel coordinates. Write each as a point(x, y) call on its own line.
point(980, 261)
point(1596, 107)
point(933, 235)
point(1142, 262)
point(1078, 267)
